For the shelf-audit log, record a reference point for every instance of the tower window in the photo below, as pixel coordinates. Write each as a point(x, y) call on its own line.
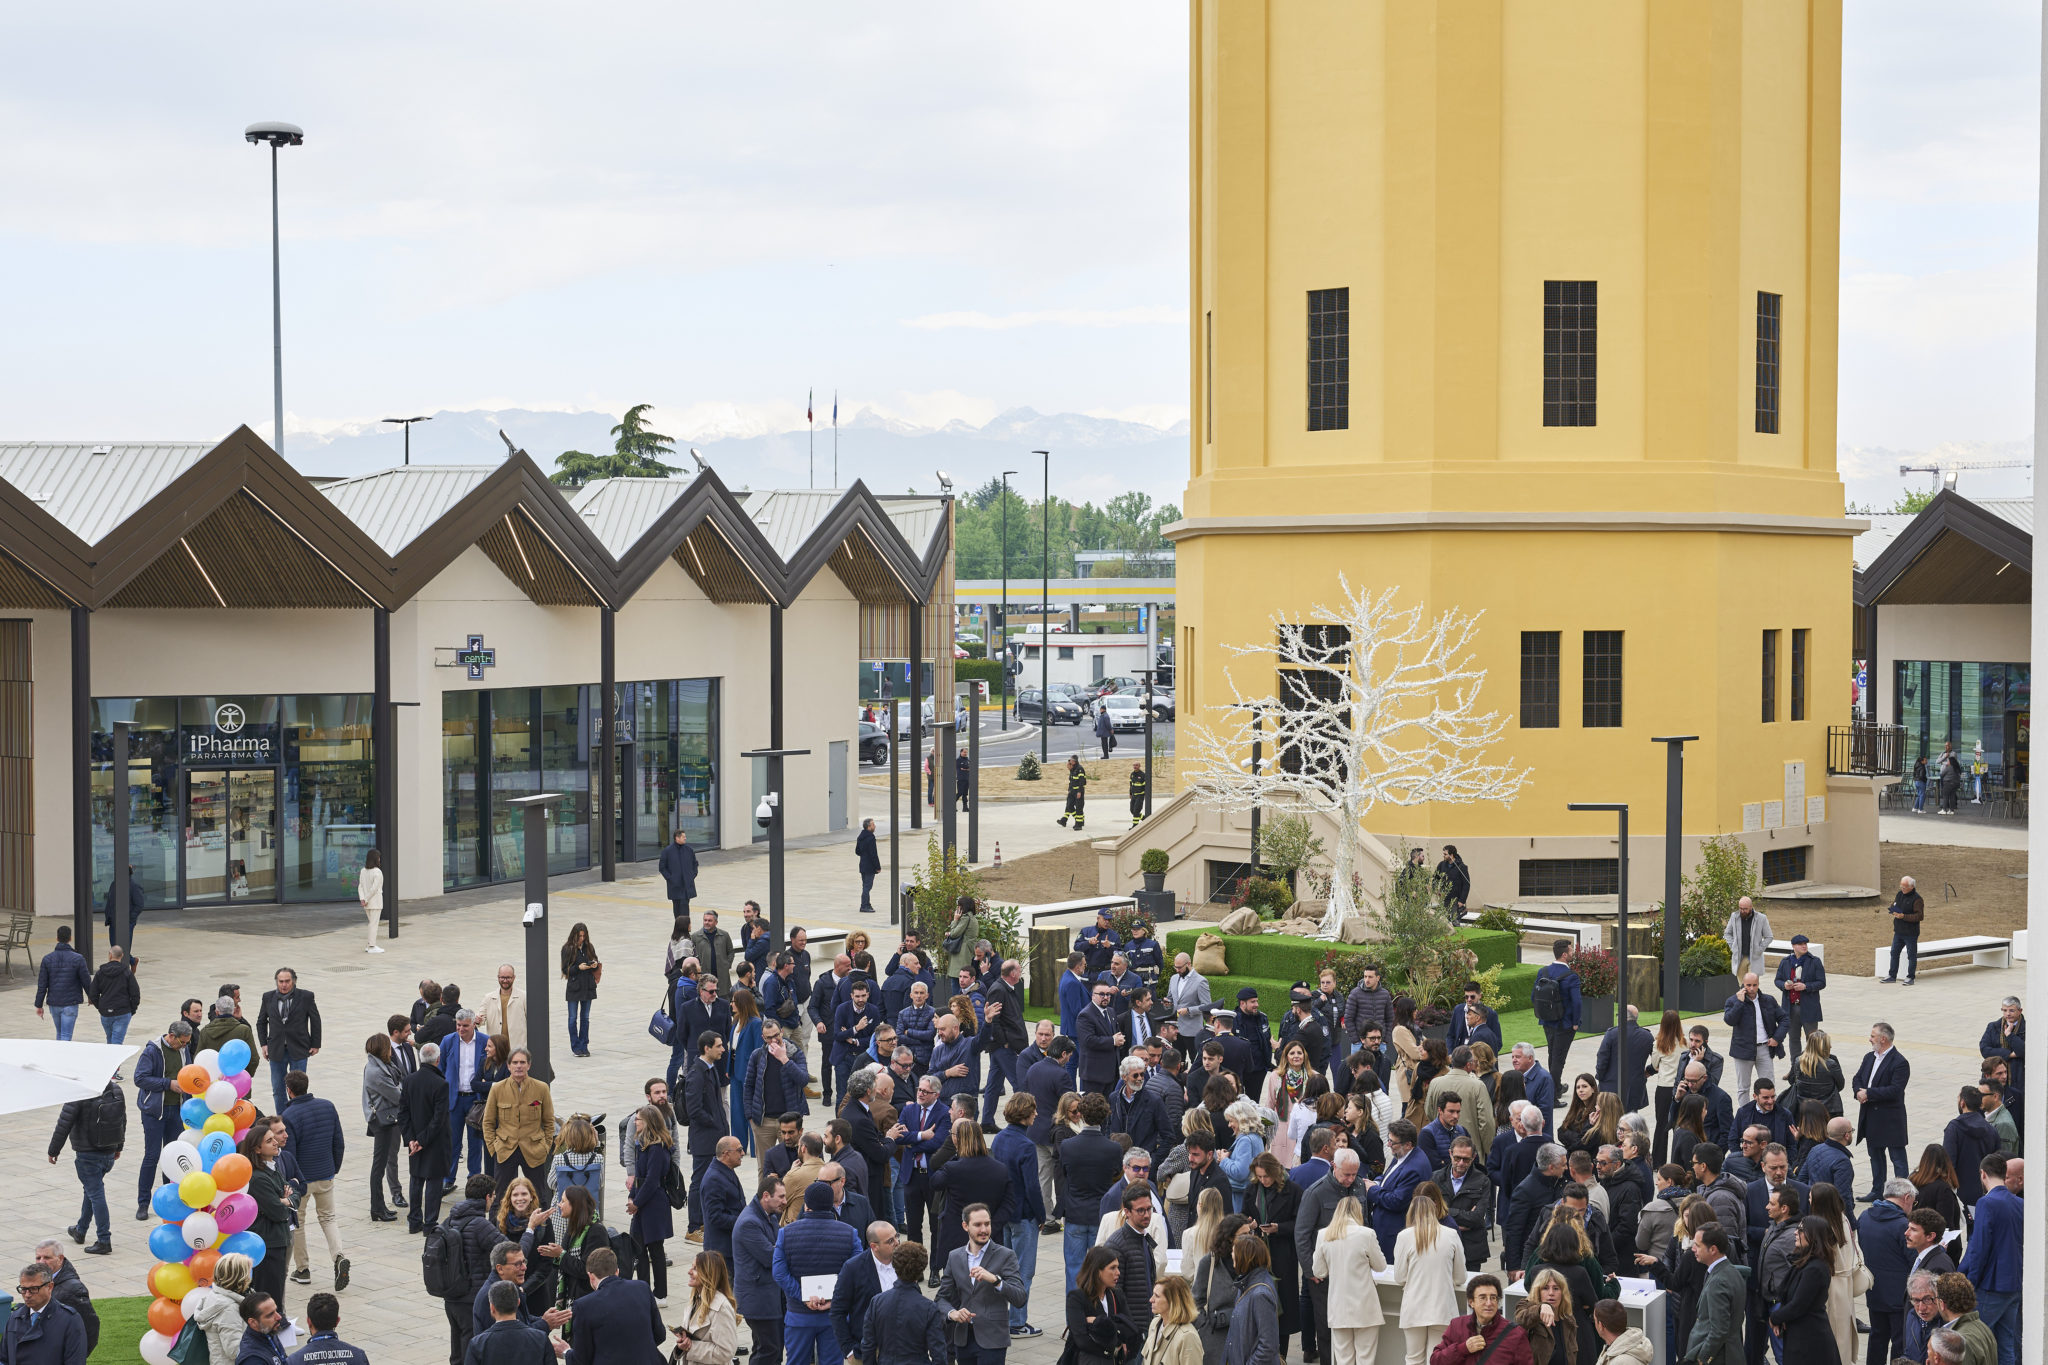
point(1602, 706)
point(1539, 679)
point(1329, 359)
point(1799, 674)
point(1570, 352)
point(1768, 309)
point(1209, 378)
point(1770, 676)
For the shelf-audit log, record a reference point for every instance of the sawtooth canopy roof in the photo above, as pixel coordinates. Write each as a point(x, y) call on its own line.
point(185, 525)
point(1955, 552)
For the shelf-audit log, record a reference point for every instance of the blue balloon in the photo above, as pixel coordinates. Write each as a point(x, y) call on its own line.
point(234, 1057)
point(244, 1243)
point(166, 1243)
point(166, 1204)
point(194, 1112)
point(213, 1147)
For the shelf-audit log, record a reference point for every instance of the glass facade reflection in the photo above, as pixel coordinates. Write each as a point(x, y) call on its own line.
point(1938, 701)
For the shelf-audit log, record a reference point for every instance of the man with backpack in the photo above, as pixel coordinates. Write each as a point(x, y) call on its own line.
point(455, 1260)
point(97, 1129)
point(115, 994)
point(1556, 1000)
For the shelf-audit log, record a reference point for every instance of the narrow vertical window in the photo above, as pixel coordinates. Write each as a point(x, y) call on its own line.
point(1329, 359)
point(1539, 679)
point(1209, 378)
point(1768, 309)
point(1570, 352)
point(1770, 712)
point(1602, 705)
point(1799, 674)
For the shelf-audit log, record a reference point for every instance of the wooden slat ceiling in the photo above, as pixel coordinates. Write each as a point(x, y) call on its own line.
point(239, 556)
point(1955, 569)
point(864, 573)
point(723, 576)
point(526, 557)
point(21, 590)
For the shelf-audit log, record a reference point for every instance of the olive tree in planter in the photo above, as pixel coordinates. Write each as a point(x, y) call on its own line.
point(1152, 864)
point(1705, 975)
point(1597, 981)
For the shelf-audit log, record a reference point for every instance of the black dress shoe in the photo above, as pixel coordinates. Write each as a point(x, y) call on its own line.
point(100, 1249)
point(142, 1213)
point(398, 1201)
point(385, 1217)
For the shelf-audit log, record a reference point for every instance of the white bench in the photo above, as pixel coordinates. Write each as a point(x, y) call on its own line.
point(1075, 914)
point(1782, 947)
point(1981, 949)
point(1579, 932)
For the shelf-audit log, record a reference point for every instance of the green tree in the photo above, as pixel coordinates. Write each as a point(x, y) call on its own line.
point(1913, 501)
point(637, 452)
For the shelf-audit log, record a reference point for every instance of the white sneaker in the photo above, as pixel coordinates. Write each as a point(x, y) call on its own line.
point(376, 950)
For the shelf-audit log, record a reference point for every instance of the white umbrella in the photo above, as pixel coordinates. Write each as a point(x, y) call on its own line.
point(36, 1073)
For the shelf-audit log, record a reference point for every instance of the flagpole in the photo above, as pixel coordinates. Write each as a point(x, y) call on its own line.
point(835, 438)
point(811, 420)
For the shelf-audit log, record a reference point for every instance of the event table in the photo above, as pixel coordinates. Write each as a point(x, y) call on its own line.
point(1643, 1300)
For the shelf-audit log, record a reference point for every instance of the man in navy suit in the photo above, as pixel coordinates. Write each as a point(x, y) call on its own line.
point(707, 1011)
point(1101, 1041)
point(1538, 1086)
point(462, 1061)
point(1775, 1166)
point(860, 1283)
point(1407, 1168)
point(616, 1322)
point(926, 1126)
point(1460, 1031)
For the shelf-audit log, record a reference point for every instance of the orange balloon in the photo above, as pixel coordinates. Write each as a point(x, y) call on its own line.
point(243, 1114)
point(194, 1079)
point(231, 1172)
point(202, 1263)
point(166, 1317)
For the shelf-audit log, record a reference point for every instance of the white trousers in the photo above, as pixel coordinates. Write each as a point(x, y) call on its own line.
point(1354, 1345)
point(1420, 1340)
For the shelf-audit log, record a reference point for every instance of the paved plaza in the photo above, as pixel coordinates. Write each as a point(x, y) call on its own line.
point(464, 939)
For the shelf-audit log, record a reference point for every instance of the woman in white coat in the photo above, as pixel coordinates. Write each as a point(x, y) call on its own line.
point(218, 1307)
point(1848, 1279)
point(370, 893)
point(1346, 1255)
point(1429, 1263)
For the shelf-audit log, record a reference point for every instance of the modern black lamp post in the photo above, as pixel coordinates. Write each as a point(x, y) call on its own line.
point(1044, 606)
point(1620, 809)
point(407, 422)
point(1674, 840)
point(769, 815)
point(276, 135)
point(533, 814)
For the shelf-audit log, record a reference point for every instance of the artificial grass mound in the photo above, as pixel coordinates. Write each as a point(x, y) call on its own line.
point(1291, 958)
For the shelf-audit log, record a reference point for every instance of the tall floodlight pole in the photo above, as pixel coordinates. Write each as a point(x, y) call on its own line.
point(405, 422)
point(1044, 606)
point(1674, 840)
point(533, 816)
point(1620, 809)
point(1004, 656)
point(277, 135)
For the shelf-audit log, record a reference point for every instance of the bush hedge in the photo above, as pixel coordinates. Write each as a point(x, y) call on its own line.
point(1276, 995)
point(1287, 958)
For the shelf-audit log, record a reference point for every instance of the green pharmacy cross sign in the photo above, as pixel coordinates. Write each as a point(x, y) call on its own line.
point(475, 658)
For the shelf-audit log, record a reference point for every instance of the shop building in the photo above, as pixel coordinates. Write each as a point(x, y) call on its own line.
point(312, 669)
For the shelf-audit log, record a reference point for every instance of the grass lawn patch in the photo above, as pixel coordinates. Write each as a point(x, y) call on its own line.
point(122, 1323)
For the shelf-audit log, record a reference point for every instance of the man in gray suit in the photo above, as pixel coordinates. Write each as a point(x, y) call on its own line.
point(979, 1286)
point(1717, 1330)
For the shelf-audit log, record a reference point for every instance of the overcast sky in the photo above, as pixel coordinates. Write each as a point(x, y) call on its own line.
point(943, 210)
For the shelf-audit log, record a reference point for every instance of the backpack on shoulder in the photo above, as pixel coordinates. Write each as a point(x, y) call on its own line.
point(441, 1267)
point(106, 1121)
point(672, 1185)
point(1546, 999)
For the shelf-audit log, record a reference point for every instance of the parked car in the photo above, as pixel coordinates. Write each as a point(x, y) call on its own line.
point(874, 744)
point(903, 718)
point(1031, 706)
point(1078, 695)
point(1125, 713)
point(1162, 700)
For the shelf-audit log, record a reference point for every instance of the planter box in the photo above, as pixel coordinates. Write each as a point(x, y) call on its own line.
point(1701, 994)
point(1596, 1014)
point(1440, 1032)
point(1158, 907)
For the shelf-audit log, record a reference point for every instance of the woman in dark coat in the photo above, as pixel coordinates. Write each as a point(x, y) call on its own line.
point(264, 1146)
point(653, 1220)
point(580, 970)
point(972, 1176)
point(1096, 1326)
point(1800, 1316)
point(1272, 1200)
point(1935, 1179)
point(1215, 1286)
point(1565, 1250)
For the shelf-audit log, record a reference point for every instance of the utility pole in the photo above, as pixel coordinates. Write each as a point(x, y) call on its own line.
point(1674, 841)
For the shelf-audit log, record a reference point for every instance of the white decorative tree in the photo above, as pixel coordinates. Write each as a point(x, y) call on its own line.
point(1371, 705)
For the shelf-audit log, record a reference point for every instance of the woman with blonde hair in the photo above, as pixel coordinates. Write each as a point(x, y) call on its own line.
point(1429, 1265)
point(579, 1160)
point(711, 1334)
point(218, 1309)
point(520, 1209)
point(1248, 1143)
point(1172, 1338)
point(1215, 1279)
point(1818, 1076)
point(647, 1202)
point(1603, 1123)
point(1346, 1255)
point(1208, 1213)
point(1546, 1317)
point(746, 1041)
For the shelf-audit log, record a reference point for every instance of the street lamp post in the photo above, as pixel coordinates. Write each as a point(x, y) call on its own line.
point(769, 814)
point(407, 422)
point(533, 817)
point(1620, 809)
point(276, 135)
point(1044, 605)
point(1003, 657)
point(1674, 839)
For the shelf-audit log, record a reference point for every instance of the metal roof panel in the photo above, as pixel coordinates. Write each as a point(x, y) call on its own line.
point(92, 493)
point(619, 511)
point(394, 506)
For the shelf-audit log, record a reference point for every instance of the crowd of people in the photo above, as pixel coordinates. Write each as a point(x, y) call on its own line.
point(1225, 1187)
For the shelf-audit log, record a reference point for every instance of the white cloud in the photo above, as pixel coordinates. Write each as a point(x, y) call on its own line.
point(1054, 317)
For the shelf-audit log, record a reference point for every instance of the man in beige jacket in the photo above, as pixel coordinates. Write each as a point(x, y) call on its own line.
point(505, 1008)
point(1475, 1106)
point(519, 1126)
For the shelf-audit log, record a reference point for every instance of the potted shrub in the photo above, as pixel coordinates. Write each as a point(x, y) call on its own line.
point(1434, 1021)
point(1153, 866)
point(1598, 979)
point(1705, 975)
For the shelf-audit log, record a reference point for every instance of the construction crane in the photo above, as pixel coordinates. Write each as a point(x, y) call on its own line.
point(1945, 471)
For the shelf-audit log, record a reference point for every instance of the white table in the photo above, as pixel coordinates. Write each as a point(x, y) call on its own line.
point(1643, 1300)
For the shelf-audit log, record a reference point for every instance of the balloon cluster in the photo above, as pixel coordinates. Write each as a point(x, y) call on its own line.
point(205, 1206)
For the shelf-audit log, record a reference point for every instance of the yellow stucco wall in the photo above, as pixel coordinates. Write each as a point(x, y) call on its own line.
point(1442, 161)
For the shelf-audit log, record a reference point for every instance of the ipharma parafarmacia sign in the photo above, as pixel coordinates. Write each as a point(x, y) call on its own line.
point(231, 738)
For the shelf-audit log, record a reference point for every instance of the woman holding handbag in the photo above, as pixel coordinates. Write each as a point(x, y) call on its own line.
point(370, 893)
point(647, 1205)
point(383, 1102)
point(1098, 1332)
point(711, 1334)
point(1215, 1280)
point(1255, 1321)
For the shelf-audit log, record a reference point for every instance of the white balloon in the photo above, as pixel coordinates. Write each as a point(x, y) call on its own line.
point(190, 1303)
point(156, 1347)
point(199, 1230)
point(221, 1096)
point(190, 1137)
point(210, 1059)
point(179, 1160)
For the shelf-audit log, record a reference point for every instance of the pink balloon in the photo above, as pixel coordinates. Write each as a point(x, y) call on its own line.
point(240, 1134)
point(240, 1081)
point(235, 1213)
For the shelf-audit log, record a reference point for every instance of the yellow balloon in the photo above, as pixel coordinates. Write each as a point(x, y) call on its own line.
point(197, 1190)
point(173, 1281)
point(218, 1123)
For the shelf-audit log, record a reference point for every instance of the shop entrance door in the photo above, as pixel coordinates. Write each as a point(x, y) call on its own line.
point(230, 836)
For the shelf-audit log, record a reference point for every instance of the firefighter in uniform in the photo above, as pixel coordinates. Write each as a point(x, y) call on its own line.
point(1139, 787)
point(1077, 794)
